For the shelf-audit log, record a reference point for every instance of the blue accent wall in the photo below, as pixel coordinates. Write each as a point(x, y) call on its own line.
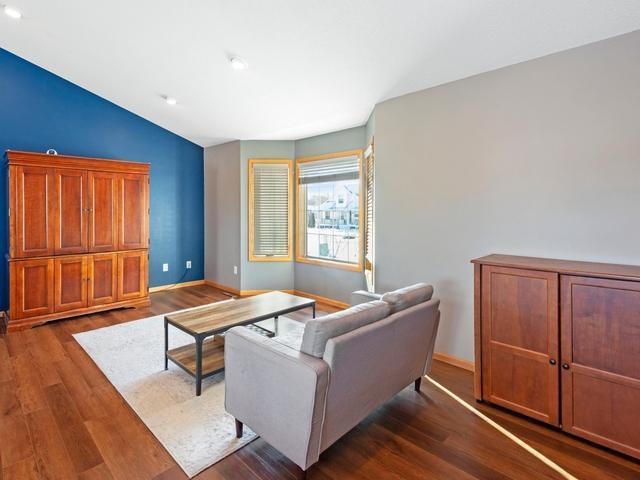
point(39, 110)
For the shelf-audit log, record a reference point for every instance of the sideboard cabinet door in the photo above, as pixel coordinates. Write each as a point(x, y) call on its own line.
point(31, 288)
point(520, 341)
point(601, 361)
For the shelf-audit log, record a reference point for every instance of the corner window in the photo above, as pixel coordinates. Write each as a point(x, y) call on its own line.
point(270, 210)
point(329, 210)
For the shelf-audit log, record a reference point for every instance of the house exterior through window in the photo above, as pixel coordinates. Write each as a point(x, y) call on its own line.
point(329, 210)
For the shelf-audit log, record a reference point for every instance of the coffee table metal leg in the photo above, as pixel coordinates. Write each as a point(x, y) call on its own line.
point(198, 365)
point(166, 344)
point(275, 325)
point(314, 310)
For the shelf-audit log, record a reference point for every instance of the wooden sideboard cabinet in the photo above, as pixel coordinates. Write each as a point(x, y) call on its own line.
point(559, 341)
point(78, 236)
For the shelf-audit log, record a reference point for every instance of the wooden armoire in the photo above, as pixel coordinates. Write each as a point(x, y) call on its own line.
point(78, 236)
point(559, 341)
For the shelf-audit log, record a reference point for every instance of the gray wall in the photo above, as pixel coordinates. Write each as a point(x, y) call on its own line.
point(540, 158)
point(370, 128)
point(261, 275)
point(222, 213)
point(326, 281)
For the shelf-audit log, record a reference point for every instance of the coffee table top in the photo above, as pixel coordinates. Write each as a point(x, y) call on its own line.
point(221, 316)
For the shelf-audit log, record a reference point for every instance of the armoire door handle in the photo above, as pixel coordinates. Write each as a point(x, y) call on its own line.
point(565, 366)
point(552, 361)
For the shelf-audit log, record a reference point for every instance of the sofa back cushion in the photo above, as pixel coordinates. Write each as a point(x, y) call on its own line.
point(408, 296)
point(319, 330)
point(371, 364)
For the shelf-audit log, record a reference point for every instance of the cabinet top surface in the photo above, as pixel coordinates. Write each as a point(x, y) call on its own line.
point(15, 157)
point(573, 267)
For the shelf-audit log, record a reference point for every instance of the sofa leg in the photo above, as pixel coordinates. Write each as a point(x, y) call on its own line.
point(238, 428)
point(417, 384)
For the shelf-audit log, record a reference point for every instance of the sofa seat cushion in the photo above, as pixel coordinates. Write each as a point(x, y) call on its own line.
point(318, 331)
point(408, 296)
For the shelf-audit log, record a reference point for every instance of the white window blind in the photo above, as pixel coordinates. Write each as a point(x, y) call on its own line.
point(369, 219)
point(271, 209)
point(330, 170)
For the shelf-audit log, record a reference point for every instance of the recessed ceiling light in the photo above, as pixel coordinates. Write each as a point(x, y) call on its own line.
point(237, 63)
point(170, 100)
point(12, 12)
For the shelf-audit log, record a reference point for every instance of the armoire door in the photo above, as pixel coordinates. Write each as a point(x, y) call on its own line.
point(132, 275)
point(103, 211)
point(31, 290)
point(71, 283)
point(32, 216)
point(601, 361)
point(133, 221)
point(71, 211)
point(103, 278)
point(520, 341)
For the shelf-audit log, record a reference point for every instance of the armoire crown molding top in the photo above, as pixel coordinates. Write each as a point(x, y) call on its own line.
point(15, 157)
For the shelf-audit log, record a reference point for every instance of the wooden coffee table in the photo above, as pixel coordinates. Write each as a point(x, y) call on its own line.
point(206, 356)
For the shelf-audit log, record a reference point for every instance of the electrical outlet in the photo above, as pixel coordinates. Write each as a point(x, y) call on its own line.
point(165, 267)
point(188, 263)
point(235, 269)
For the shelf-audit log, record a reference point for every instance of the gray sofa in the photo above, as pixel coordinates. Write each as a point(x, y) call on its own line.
point(301, 392)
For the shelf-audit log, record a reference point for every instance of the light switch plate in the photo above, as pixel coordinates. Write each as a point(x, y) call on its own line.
point(188, 263)
point(165, 267)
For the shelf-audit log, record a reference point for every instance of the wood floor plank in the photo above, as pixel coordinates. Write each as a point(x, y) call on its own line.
point(262, 457)
point(16, 442)
point(152, 458)
point(80, 446)
point(29, 390)
point(99, 472)
point(9, 404)
point(268, 470)
point(25, 469)
point(51, 456)
point(84, 366)
point(172, 473)
point(232, 468)
point(430, 455)
point(88, 403)
point(6, 373)
point(120, 459)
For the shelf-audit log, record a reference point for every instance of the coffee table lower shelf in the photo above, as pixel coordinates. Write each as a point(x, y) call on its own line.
point(212, 356)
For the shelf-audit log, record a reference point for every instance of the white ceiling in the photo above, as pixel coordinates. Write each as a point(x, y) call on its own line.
point(315, 66)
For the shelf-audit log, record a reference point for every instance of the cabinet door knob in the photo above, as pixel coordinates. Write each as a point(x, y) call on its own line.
point(565, 366)
point(552, 361)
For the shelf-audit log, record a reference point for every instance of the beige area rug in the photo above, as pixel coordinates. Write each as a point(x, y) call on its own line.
point(196, 431)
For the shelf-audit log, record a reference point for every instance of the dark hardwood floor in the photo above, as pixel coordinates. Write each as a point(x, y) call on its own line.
point(61, 418)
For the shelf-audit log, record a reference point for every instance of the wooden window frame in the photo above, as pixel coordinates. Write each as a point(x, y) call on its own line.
point(278, 258)
point(300, 223)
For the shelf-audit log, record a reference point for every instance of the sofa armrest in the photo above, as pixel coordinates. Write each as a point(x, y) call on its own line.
point(276, 391)
point(362, 296)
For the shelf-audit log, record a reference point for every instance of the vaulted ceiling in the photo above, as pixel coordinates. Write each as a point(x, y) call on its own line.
point(314, 65)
